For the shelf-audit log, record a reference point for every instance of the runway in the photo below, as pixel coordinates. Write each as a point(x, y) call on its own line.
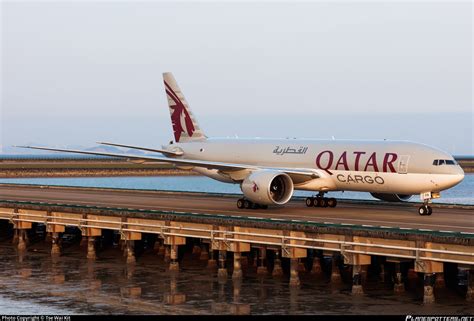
point(357, 213)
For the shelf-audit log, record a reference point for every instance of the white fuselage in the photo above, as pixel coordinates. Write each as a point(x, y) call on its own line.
point(395, 167)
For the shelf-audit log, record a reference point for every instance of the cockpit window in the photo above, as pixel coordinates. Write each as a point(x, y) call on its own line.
point(438, 162)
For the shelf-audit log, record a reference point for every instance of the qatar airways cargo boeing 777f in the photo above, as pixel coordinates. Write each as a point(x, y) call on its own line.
point(269, 170)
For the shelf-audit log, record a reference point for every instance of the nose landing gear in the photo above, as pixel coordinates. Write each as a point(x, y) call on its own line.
point(426, 209)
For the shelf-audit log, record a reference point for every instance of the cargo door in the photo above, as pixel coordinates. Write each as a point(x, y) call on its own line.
point(403, 164)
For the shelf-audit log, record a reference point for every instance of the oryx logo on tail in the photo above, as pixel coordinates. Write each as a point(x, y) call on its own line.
point(179, 115)
point(185, 126)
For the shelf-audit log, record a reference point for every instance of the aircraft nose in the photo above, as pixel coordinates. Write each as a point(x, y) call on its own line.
point(458, 176)
point(451, 178)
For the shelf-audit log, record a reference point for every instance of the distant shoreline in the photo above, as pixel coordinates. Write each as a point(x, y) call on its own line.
point(84, 167)
point(58, 173)
point(57, 168)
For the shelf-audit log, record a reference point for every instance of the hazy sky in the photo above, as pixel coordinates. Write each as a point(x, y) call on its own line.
point(77, 72)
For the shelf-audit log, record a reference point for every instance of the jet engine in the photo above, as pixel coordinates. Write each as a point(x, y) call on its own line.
point(391, 197)
point(267, 187)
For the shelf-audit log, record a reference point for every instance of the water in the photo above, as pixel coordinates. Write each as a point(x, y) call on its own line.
point(460, 194)
point(34, 283)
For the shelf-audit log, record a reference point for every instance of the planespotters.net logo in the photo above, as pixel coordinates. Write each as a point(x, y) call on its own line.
point(439, 318)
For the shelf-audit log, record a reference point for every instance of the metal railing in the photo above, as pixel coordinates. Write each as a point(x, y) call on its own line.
point(283, 241)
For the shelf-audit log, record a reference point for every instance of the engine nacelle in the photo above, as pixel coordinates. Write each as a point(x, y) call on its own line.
point(267, 187)
point(391, 197)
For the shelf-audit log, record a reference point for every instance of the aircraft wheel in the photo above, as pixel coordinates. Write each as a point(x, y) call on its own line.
point(317, 202)
point(240, 203)
point(325, 202)
point(321, 202)
point(309, 201)
point(247, 204)
point(255, 206)
point(422, 210)
point(263, 207)
point(332, 202)
point(430, 210)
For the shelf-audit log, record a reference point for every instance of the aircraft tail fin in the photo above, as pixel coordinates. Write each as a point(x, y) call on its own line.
point(185, 125)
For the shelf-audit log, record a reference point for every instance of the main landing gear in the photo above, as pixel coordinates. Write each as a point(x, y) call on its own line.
point(245, 203)
point(321, 201)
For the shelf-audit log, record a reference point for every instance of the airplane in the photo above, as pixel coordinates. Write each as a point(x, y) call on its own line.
point(270, 170)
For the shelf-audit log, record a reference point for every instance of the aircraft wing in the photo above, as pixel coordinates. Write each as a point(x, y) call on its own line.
point(294, 173)
point(165, 152)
